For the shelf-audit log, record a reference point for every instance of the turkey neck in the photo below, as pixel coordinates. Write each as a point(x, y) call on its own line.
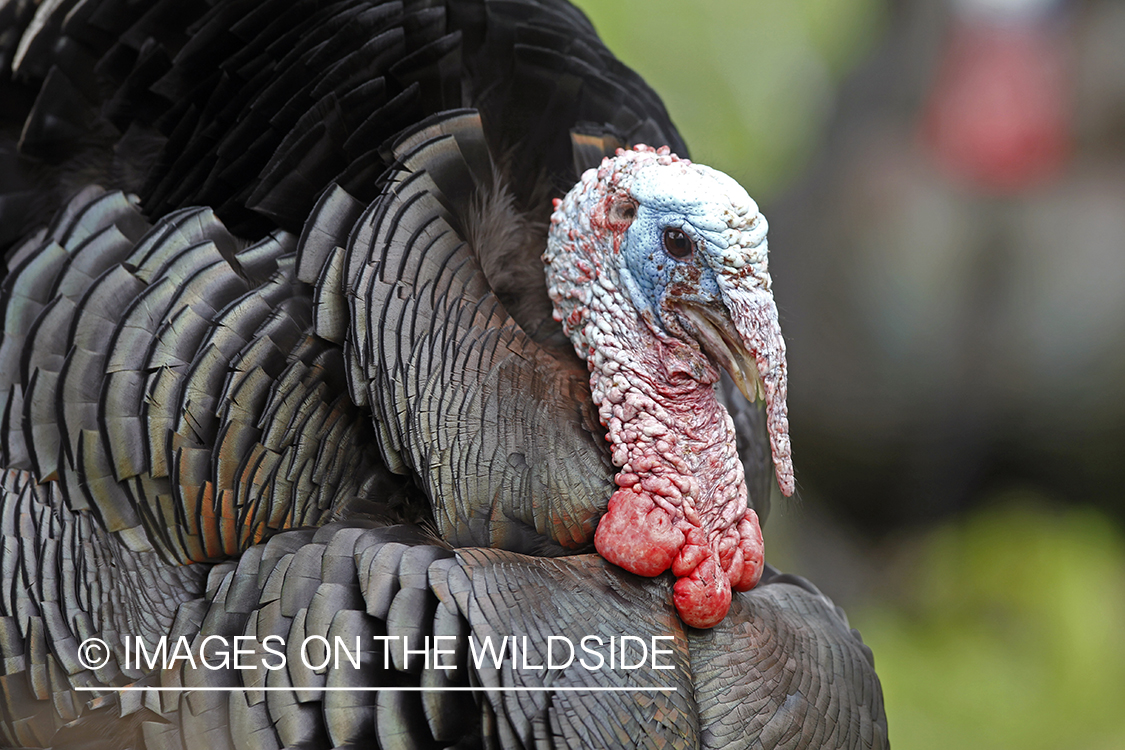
point(672, 439)
point(681, 497)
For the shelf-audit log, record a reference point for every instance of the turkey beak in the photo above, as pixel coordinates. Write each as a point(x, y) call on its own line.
point(745, 340)
point(723, 344)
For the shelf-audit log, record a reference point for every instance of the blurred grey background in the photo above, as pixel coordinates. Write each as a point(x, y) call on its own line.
point(945, 186)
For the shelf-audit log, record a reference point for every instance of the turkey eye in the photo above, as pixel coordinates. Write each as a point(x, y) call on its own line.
point(677, 243)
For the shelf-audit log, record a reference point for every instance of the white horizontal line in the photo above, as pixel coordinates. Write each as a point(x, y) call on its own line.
point(563, 689)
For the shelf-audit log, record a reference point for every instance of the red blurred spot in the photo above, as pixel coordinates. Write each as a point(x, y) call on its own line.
point(998, 114)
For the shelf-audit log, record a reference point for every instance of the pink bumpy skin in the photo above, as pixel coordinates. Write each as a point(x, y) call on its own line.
point(681, 497)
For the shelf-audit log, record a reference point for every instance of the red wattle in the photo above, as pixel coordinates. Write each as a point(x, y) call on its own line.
point(637, 534)
point(751, 554)
point(703, 598)
point(644, 538)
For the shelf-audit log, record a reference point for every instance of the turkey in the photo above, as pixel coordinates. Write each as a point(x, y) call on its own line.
point(339, 338)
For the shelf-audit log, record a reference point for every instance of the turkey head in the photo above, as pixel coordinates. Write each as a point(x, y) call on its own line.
point(657, 269)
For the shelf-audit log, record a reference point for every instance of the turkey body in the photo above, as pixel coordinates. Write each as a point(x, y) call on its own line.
point(278, 361)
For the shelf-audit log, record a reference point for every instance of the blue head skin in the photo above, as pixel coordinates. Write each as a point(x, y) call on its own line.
point(667, 249)
point(691, 226)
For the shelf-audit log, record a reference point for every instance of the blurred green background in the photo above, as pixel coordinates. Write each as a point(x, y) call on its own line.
point(962, 499)
point(749, 83)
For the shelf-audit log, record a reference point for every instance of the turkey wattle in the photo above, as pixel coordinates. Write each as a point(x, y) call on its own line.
point(654, 265)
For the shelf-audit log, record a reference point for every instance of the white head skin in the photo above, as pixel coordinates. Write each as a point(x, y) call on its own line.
point(658, 271)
